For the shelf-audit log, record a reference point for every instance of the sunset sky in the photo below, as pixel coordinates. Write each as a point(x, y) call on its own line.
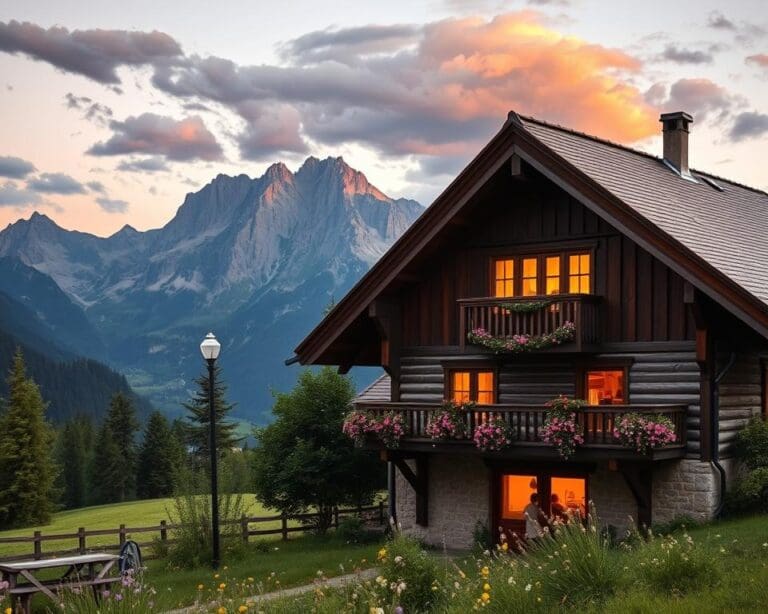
point(113, 111)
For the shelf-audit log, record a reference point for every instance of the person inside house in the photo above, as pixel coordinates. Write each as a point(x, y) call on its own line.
point(534, 519)
point(558, 510)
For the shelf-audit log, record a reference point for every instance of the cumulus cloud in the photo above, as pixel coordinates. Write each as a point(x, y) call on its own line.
point(700, 97)
point(153, 164)
point(112, 206)
point(749, 124)
point(95, 54)
point(744, 32)
point(11, 195)
point(184, 139)
point(15, 168)
point(679, 55)
point(718, 21)
point(55, 183)
point(270, 128)
point(96, 186)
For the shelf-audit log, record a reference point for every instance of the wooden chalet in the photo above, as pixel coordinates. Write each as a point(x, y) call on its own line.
point(662, 272)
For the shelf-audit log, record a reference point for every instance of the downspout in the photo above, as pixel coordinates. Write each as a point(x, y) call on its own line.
point(715, 422)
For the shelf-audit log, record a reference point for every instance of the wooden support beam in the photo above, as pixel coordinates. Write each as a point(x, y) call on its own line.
point(516, 166)
point(639, 479)
point(706, 359)
point(386, 316)
point(419, 481)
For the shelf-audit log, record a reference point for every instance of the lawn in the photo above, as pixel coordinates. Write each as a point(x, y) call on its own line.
point(132, 514)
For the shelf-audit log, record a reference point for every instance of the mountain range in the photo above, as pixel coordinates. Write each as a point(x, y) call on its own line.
point(254, 260)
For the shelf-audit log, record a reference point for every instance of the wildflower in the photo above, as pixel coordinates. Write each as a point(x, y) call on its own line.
point(376, 610)
point(221, 611)
point(118, 597)
point(485, 597)
point(505, 546)
point(8, 611)
point(200, 587)
point(485, 571)
point(242, 608)
point(222, 586)
point(398, 559)
point(528, 587)
point(486, 587)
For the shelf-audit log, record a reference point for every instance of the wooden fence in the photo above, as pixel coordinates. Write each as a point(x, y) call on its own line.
point(373, 512)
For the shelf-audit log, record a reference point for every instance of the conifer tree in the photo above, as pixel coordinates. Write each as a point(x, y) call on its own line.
point(158, 459)
point(197, 424)
point(113, 470)
point(27, 470)
point(74, 449)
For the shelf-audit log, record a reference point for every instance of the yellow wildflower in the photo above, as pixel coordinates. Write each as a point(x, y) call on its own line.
point(505, 546)
point(215, 576)
point(8, 610)
point(200, 587)
point(486, 587)
point(485, 572)
point(485, 597)
point(222, 586)
point(221, 611)
point(242, 608)
point(250, 580)
point(382, 554)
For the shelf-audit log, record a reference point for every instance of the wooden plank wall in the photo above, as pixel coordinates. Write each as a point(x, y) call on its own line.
point(643, 299)
point(740, 398)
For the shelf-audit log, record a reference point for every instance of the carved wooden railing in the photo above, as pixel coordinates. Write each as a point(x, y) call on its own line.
point(526, 421)
point(491, 315)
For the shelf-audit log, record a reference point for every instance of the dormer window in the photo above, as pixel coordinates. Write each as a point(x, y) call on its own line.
point(542, 274)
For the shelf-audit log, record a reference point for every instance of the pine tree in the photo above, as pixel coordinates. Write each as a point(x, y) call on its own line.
point(158, 459)
point(74, 449)
point(27, 470)
point(197, 424)
point(113, 469)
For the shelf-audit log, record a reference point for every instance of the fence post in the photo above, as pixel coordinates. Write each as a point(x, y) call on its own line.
point(284, 525)
point(336, 516)
point(121, 533)
point(81, 540)
point(163, 531)
point(381, 512)
point(38, 546)
point(244, 528)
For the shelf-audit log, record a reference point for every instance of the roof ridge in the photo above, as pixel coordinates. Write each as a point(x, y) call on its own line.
point(640, 152)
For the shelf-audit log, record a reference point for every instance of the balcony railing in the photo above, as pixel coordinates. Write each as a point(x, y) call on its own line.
point(526, 421)
point(499, 317)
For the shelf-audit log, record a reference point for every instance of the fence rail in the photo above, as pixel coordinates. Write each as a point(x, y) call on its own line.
point(123, 533)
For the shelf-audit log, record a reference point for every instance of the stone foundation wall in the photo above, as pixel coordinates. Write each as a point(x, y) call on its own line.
point(614, 503)
point(458, 497)
point(687, 488)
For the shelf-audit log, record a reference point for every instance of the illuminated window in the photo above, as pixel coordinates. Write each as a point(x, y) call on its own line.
point(606, 387)
point(552, 275)
point(505, 278)
point(568, 496)
point(516, 491)
point(530, 276)
point(477, 386)
point(578, 274)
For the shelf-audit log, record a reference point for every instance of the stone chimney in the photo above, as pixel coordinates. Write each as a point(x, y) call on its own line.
point(676, 129)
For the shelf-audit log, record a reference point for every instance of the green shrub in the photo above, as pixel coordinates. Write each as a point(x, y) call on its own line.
point(676, 525)
point(410, 577)
point(262, 546)
point(674, 566)
point(752, 444)
point(481, 535)
point(577, 563)
point(750, 493)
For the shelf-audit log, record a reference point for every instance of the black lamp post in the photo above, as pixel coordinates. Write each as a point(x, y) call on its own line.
point(210, 349)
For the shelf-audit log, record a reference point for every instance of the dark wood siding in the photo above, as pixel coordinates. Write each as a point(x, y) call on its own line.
point(642, 298)
point(740, 399)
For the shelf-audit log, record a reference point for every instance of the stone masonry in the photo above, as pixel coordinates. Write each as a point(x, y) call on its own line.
point(458, 498)
point(614, 503)
point(686, 488)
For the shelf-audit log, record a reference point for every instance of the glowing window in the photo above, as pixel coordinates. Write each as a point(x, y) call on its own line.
point(460, 387)
point(477, 386)
point(568, 495)
point(530, 276)
point(504, 278)
point(606, 387)
point(552, 275)
point(579, 274)
point(516, 491)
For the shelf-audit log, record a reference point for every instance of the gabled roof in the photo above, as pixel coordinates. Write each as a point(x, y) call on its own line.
point(715, 239)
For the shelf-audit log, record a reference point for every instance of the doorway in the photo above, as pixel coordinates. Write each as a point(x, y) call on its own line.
point(560, 493)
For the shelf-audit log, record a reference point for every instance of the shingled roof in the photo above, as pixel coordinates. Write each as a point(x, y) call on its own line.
point(711, 231)
point(728, 228)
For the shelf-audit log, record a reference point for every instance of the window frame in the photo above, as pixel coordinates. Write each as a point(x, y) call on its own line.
point(450, 368)
point(541, 254)
point(583, 370)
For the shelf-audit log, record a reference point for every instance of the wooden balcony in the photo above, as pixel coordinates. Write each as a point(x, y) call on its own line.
point(526, 423)
point(498, 317)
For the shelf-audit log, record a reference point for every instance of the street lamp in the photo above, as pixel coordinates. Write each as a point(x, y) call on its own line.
point(210, 349)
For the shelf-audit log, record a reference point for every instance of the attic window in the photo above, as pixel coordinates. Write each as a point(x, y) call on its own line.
point(712, 183)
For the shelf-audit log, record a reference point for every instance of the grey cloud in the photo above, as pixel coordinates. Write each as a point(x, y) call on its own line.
point(15, 168)
point(700, 97)
point(718, 21)
point(95, 54)
point(270, 128)
point(673, 53)
point(96, 186)
point(749, 124)
point(549, 2)
point(744, 32)
point(55, 183)
point(152, 164)
point(185, 139)
point(13, 196)
point(92, 111)
point(759, 59)
point(112, 206)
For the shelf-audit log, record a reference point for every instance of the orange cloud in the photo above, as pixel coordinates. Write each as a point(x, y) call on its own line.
point(485, 68)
